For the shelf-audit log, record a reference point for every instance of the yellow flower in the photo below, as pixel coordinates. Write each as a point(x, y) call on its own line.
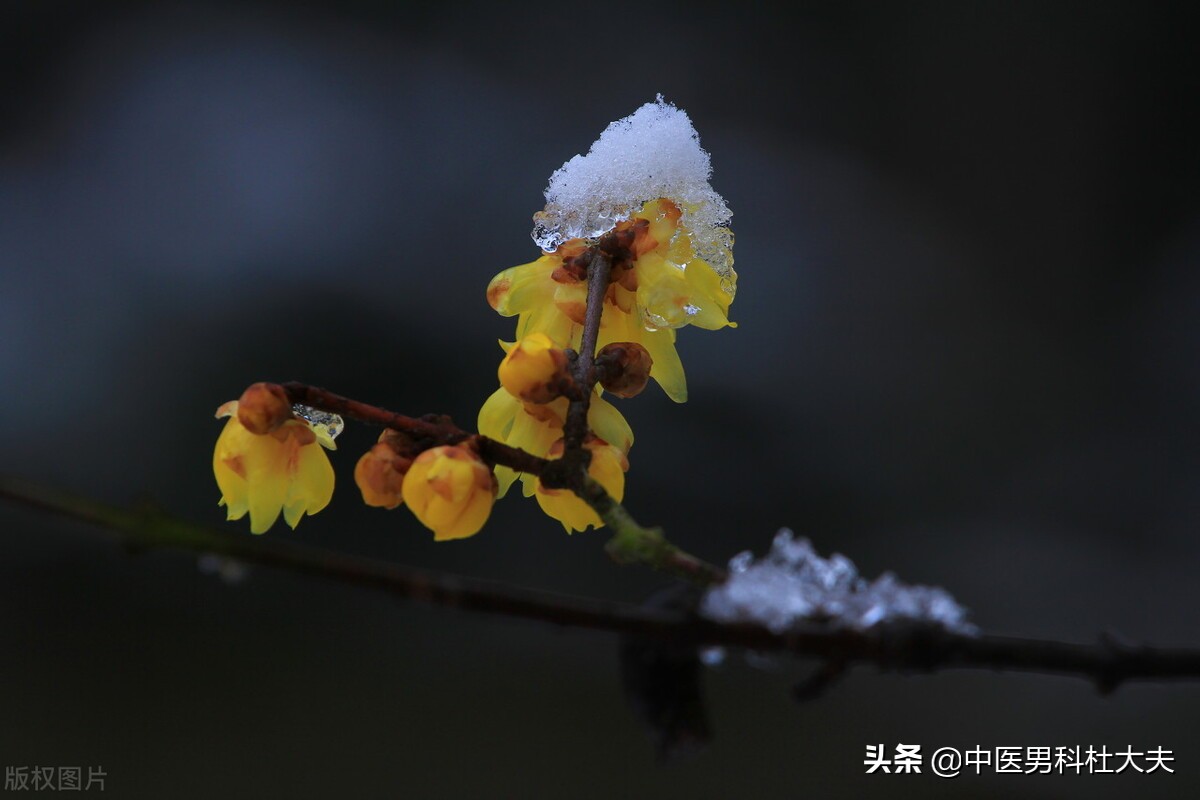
point(283, 470)
point(534, 369)
point(608, 468)
point(665, 285)
point(450, 490)
point(535, 428)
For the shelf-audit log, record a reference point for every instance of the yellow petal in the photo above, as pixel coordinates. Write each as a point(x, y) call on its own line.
point(450, 491)
point(518, 289)
point(504, 479)
point(608, 468)
point(667, 369)
point(497, 415)
point(312, 482)
point(707, 296)
point(609, 424)
point(229, 470)
point(470, 519)
point(550, 320)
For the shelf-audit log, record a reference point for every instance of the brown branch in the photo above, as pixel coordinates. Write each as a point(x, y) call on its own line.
point(630, 543)
point(908, 649)
point(575, 428)
point(428, 431)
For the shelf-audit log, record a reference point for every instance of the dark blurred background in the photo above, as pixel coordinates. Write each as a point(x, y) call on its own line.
point(969, 352)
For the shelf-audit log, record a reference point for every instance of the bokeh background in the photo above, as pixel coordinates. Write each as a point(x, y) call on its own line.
point(969, 352)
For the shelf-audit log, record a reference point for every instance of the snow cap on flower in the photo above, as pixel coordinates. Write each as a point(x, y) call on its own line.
point(654, 152)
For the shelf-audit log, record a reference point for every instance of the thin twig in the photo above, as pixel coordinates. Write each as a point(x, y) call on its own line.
point(429, 431)
point(575, 428)
point(630, 544)
point(904, 649)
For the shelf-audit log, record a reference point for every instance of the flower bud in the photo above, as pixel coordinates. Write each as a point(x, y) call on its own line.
point(607, 467)
point(450, 490)
point(624, 368)
point(535, 370)
point(380, 472)
point(263, 407)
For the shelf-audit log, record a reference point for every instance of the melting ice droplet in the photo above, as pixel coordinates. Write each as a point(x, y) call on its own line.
point(331, 424)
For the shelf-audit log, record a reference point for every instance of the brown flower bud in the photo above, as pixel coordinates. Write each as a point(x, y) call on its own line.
point(263, 407)
point(624, 368)
point(381, 470)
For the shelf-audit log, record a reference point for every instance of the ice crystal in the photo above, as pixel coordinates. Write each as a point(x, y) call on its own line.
point(792, 586)
point(331, 424)
point(654, 152)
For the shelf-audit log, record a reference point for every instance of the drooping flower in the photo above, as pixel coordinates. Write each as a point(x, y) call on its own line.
point(607, 467)
point(284, 470)
point(661, 286)
point(641, 199)
point(450, 490)
point(535, 428)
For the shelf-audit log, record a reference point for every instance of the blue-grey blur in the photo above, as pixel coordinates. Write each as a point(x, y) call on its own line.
point(969, 351)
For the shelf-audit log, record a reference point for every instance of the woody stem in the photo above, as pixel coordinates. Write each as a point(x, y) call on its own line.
point(630, 543)
point(428, 431)
point(575, 428)
point(920, 649)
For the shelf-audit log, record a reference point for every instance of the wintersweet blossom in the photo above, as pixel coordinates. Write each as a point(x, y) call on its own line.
point(263, 474)
point(641, 198)
point(450, 490)
point(607, 467)
point(663, 285)
point(535, 428)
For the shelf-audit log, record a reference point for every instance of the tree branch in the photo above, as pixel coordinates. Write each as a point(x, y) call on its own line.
point(428, 431)
point(575, 428)
point(905, 649)
point(630, 542)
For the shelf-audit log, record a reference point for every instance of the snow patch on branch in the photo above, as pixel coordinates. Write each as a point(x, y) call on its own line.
point(792, 586)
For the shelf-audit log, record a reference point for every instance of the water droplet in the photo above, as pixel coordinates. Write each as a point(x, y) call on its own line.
point(331, 424)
